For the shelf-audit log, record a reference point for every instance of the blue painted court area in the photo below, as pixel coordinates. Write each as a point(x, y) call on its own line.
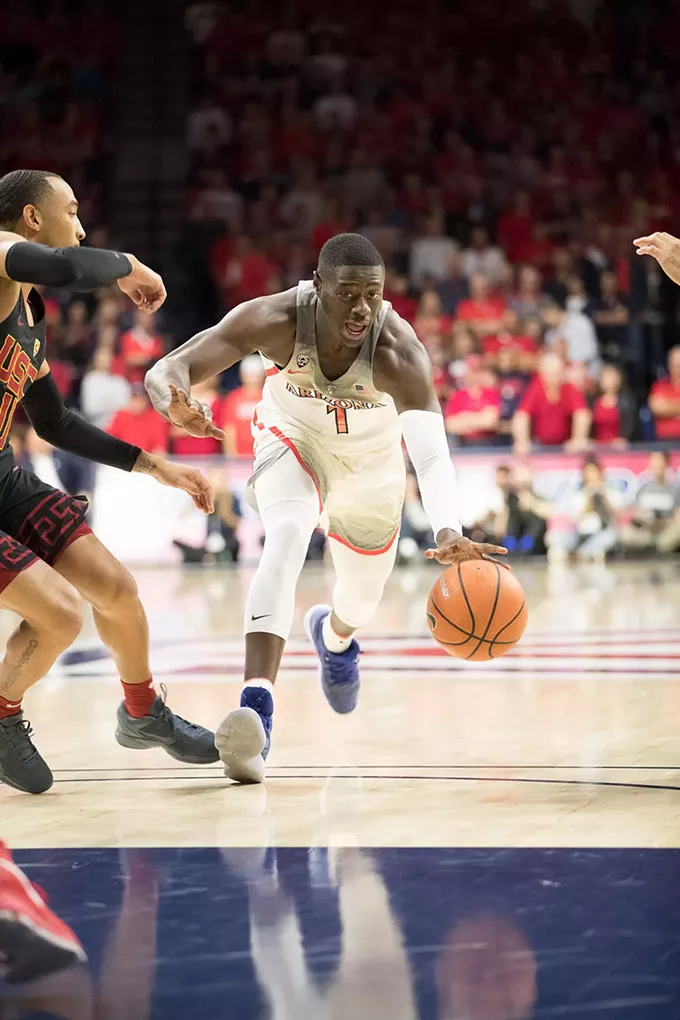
point(436, 934)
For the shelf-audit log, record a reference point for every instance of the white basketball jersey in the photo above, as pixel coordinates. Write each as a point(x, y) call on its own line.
point(345, 411)
point(344, 431)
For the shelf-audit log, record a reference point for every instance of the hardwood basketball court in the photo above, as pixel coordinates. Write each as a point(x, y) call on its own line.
point(568, 746)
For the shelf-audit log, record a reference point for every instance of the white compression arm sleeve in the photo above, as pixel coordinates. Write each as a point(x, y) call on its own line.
point(425, 438)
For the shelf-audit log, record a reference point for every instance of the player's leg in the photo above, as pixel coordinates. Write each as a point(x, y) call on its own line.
point(52, 525)
point(51, 618)
point(33, 940)
point(144, 720)
point(288, 503)
point(361, 579)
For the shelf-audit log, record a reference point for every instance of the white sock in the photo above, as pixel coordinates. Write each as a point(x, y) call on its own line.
point(334, 642)
point(260, 682)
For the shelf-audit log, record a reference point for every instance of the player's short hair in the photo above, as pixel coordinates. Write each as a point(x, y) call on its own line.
point(20, 188)
point(348, 250)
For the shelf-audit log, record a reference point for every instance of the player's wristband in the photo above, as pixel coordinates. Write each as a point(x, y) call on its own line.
point(425, 438)
point(78, 269)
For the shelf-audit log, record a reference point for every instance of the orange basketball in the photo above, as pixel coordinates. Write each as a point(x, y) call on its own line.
point(477, 610)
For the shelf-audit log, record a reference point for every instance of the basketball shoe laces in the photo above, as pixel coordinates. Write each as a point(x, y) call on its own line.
point(168, 716)
point(19, 738)
point(339, 662)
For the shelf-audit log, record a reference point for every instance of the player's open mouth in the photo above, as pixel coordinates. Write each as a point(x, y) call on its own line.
point(356, 329)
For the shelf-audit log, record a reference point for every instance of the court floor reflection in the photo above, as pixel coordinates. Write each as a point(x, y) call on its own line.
point(347, 933)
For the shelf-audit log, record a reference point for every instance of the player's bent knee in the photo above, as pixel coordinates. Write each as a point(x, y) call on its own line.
point(123, 585)
point(117, 588)
point(61, 614)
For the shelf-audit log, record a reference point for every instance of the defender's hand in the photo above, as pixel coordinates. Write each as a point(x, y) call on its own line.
point(178, 476)
point(191, 415)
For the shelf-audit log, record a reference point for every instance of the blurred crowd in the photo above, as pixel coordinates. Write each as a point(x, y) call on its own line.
point(56, 67)
point(598, 521)
point(503, 182)
point(502, 165)
point(503, 185)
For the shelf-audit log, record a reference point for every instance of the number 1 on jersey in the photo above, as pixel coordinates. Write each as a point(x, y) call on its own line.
point(340, 413)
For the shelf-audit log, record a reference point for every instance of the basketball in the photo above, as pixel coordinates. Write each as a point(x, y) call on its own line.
point(477, 610)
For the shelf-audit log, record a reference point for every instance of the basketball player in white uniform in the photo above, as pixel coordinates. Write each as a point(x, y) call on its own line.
point(347, 378)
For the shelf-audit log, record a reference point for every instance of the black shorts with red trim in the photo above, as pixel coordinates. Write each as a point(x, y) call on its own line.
point(36, 522)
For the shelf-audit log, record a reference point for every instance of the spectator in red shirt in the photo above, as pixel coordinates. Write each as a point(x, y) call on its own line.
point(331, 222)
point(473, 412)
point(184, 445)
point(510, 335)
point(138, 423)
point(613, 410)
point(481, 311)
point(516, 229)
point(664, 399)
point(140, 346)
point(238, 408)
point(248, 273)
point(542, 247)
point(396, 292)
point(552, 412)
point(219, 257)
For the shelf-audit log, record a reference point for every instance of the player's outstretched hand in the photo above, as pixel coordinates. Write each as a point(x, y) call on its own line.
point(457, 550)
point(665, 249)
point(179, 476)
point(191, 415)
point(143, 286)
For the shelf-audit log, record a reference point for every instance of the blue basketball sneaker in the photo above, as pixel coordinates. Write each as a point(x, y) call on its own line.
point(338, 671)
point(244, 737)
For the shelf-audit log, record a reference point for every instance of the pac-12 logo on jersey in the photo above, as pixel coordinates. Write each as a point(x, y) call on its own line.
point(36, 347)
point(302, 361)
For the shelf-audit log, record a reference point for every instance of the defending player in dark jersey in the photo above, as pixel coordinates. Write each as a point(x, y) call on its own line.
point(49, 559)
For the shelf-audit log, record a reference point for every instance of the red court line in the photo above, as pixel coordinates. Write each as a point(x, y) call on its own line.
point(439, 653)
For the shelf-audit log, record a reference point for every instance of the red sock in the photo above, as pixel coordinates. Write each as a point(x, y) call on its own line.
point(139, 698)
point(4, 852)
point(8, 708)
